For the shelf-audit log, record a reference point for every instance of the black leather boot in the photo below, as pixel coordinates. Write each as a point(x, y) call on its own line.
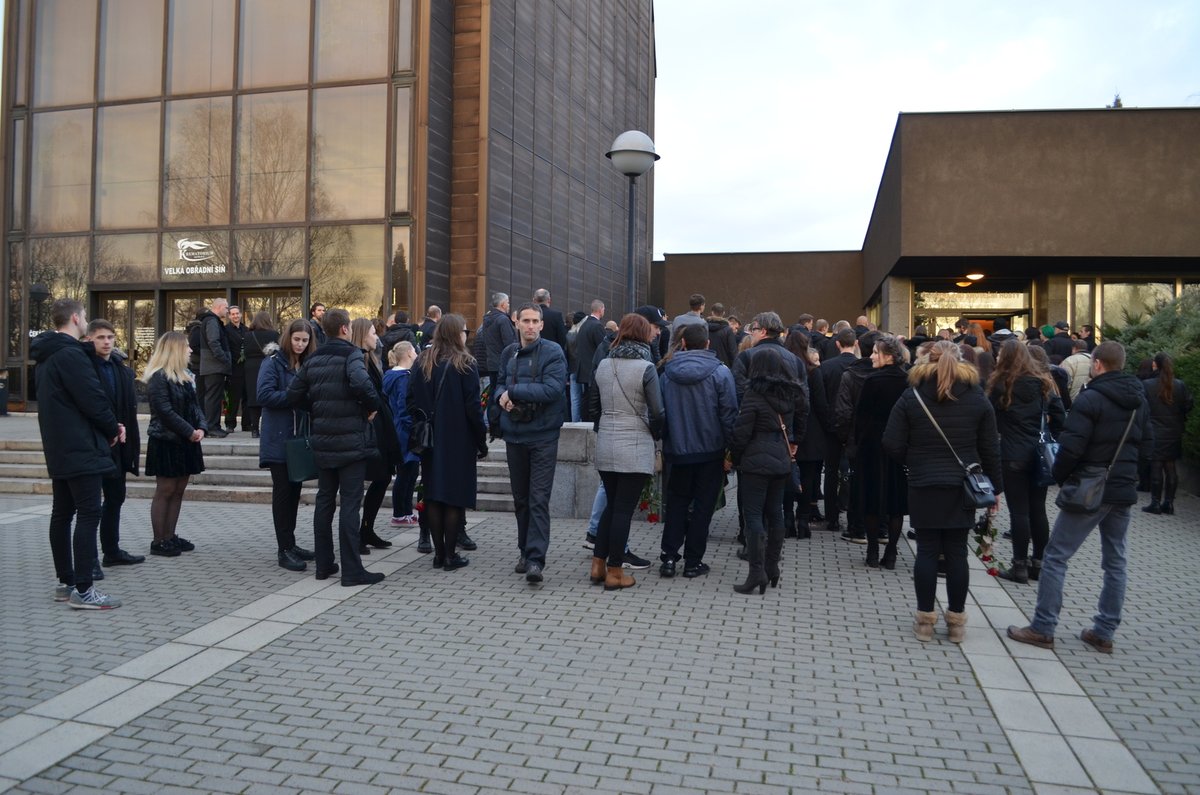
point(757, 577)
point(773, 555)
point(1019, 572)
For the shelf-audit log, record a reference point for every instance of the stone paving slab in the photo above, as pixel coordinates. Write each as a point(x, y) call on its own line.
point(472, 681)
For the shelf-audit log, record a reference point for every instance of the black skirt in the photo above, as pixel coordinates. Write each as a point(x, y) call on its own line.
point(173, 459)
point(939, 508)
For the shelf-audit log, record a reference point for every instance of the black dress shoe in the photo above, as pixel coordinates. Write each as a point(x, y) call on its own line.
point(326, 574)
point(183, 544)
point(458, 561)
point(696, 570)
point(165, 549)
point(366, 578)
point(97, 572)
point(533, 572)
point(123, 558)
point(303, 553)
point(667, 569)
point(368, 537)
point(465, 542)
point(288, 559)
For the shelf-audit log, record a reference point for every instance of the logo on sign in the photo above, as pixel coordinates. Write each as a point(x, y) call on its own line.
point(195, 250)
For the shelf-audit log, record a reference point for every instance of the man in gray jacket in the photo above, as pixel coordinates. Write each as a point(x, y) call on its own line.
point(216, 363)
point(532, 377)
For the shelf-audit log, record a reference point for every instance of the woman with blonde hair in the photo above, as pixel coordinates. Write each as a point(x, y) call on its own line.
point(940, 424)
point(395, 387)
point(445, 390)
point(381, 468)
point(177, 427)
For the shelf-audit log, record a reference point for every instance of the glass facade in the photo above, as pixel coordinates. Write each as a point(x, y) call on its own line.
point(165, 152)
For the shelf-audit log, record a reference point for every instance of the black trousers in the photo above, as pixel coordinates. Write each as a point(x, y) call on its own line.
point(110, 513)
point(251, 417)
point(285, 504)
point(1027, 512)
point(694, 487)
point(75, 556)
point(373, 501)
point(622, 490)
point(402, 492)
point(833, 476)
point(237, 384)
point(930, 544)
point(531, 470)
point(345, 483)
point(212, 389)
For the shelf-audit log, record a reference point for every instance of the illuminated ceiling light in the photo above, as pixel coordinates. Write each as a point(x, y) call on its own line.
point(964, 284)
point(974, 276)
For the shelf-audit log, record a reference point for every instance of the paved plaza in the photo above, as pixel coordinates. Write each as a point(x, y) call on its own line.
point(225, 673)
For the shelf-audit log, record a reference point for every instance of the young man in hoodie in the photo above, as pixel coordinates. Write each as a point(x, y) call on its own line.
point(78, 431)
point(1113, 402)
point(700, 400)
point(722, 339)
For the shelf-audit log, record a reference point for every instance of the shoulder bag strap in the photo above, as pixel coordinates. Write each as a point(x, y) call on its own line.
point(939, 429)
point(621, 387)
point(1121, 443)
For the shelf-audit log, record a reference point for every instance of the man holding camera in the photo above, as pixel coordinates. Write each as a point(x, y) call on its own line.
point(530, 382)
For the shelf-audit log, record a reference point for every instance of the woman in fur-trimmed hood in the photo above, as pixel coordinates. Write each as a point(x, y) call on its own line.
point(949, 388)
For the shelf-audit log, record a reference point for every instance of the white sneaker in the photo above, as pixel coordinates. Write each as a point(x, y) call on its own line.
point(92, 600)
point(63, 592)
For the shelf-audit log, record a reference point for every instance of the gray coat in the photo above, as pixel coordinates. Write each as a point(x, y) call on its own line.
point(215, 357)
point(631, 414)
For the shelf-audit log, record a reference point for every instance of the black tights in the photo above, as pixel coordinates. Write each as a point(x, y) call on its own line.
point(373, 500)
point(622, 490)
point(444, 522)
point(930, 545)
point(894, 525)
point(164, 508)
point(1163, 473)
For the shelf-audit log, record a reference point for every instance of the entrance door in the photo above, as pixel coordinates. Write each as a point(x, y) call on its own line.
point(132, 314)
point(282, 304)
point(182, 308)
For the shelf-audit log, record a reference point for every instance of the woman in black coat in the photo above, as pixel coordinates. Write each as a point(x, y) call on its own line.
point(800, 506)
point(761, 452)
point(1022, 393)
point(381, 468)
point(949, 389)
point(884, 484)
point(1170, 403)
point(256, 344)
point(176, 429)
point(445, 385)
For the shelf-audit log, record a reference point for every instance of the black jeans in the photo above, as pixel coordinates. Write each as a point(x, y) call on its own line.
point(810, 479)
point(285, 504)
point(402, 492)
point(212, 388)
point(622, 489)
point(695, 487)
point(931, 544)
point(1027, 512)
point(762, 501)
point(251, 417)
point(110, 513)
point(237, 383)
point(531, 470)
point(77, 498)
point(347, 483)
point(833, 476)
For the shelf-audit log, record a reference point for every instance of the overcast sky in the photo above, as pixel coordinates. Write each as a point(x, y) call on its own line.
point(774, 117)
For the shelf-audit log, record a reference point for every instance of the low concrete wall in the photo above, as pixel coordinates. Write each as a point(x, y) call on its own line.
point(576, 480)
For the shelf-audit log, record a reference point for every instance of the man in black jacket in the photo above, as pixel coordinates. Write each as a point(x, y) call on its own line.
point(849, 389)
point(587, 339)
point(334, 386)
point(398, 330)
point(1060, 345)
point(835, 459)
point(495, 334)
point(554, 329)
point(432, 316)
point(235, 332)
point(216, 364)
point(78, 430)
point(1110, 412)
point(315, 315)
point(118, 383)
point(722, 340)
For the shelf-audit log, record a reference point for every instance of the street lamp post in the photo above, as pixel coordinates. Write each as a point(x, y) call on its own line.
point(633, 155)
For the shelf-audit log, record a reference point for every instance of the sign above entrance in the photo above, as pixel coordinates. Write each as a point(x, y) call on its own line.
point(190, 256)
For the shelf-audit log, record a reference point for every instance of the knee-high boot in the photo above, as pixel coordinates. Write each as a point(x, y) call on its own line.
point(773, 554)
point(757, 577)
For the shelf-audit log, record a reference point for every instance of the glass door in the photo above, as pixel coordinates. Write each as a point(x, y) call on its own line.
point(282, 304)
point(132, 314)
point(182, 307)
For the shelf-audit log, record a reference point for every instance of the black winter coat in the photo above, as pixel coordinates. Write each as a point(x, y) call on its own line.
point(127, 454)
point(1060, 345)
point(448, 470)
point(758, 444)
point(497, 333)
point(333, 385)
point(398, 332)
point(1168, 419)
point(389, 454)
point(258, 348)
point(820, 419)
point(1095, 425)
point(174, 410)
point(884, 485)
point(554, 328)
point(741, 378)
point(722, 340)
point(847, 398)
point(587, 339)
point(832, 371)
point(1020, 424)
point(74, 415)
point(968, 422)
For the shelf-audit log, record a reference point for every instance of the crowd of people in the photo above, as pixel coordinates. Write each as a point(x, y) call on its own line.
point(819, 421)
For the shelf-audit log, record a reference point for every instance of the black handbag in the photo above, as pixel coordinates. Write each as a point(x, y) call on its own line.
point(1083, 491)
point(1044, 454)
point(420, 437)
point(978, 491)
point(298, 452)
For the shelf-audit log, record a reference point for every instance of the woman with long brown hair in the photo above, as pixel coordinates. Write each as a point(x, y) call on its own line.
point(381, 468)
point(1023, 396)
point(884, 484)
point(943, 393)
point(1170, 403)
point(177, 427)
point(445, 388)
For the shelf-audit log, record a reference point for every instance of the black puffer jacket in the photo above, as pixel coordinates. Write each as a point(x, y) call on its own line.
point(334, 386)
point(1020, 423)
point(74, 415)
point(722, 341)
point(1169, 419)
point(398, 332)
point(968, 422)
point(758, 445)
point(1095, 425)
point(174, 410)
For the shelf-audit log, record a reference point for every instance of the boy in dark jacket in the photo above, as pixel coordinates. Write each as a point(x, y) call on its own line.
point(1111, 411)
point(78, 430)
point(117, 381)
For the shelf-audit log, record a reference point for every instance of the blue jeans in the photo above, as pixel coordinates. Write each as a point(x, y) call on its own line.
point(598, 506)
point(1070, 531)
point(576, 398)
